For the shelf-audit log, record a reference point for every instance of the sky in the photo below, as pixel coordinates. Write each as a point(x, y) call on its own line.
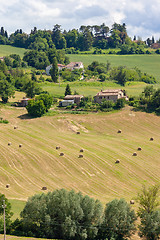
point(140, 16)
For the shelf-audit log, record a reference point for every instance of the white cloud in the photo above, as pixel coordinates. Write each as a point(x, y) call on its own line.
point(140, 16)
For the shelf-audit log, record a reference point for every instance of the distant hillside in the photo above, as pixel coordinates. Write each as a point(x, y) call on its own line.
point(6, 50)
point(38, 164)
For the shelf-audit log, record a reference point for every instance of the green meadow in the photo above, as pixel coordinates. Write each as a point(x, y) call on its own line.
point(146, 63)
point(6, 50)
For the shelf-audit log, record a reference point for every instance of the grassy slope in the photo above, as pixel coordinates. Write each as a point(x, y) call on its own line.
point(6, 50)
point(38, 163)
point(147, 63)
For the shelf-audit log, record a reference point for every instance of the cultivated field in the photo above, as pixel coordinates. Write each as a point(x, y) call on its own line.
point(37, 163)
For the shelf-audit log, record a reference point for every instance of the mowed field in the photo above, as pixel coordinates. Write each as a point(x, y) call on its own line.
point(37, 163)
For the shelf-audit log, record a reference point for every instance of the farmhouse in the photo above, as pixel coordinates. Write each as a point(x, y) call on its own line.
point(24, 102)
point(75, 98)
point(109, 94)
point(75, 65)
point(71, 66)
point(1, 58)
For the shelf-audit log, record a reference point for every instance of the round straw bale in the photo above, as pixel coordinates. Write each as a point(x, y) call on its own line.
point(139, 148)
point(80, 156)
point(131, 201)
point(20, 145)
point(44, 188)
point(81, 150)
point(57, 147)
point(15, 127)
point(151, 139)
point(9, 143)
point(61, 154)
point(134, 154)
point(119, 131)
point(7, 185)
point(117, 161)
point(78, 132)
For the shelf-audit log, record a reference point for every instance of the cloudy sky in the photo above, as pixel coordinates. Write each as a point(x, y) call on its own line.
point(140, 16)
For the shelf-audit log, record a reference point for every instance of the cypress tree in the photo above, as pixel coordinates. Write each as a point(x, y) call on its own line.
point(54, 70)
point(68, 90)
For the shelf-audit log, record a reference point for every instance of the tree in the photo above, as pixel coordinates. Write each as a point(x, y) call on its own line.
point(119, 220)
point(6, 90)
point(147, 211)
point(8, 213)
point(31, 88)
point(62, 214)
point(36, 108)
point(150, 225)
point(54, 70)
point(47, 100)
point(148, 199)
point(68, 90)
point(148, 91)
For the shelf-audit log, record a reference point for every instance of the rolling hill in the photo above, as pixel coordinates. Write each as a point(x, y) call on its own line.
point(38, 164)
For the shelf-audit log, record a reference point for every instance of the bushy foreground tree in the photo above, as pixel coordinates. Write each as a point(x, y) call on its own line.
point(62, 214)
point(148, 213)
point(119, 221)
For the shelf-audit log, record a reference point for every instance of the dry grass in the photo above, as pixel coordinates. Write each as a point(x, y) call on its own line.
point(38, 163)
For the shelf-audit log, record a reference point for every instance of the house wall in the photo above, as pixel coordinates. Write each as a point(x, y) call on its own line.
point(109, 97)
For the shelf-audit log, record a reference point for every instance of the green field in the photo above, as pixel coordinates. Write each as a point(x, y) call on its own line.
point(147, 63)
point(6, 50)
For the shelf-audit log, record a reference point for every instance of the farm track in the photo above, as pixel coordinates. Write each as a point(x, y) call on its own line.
point(37, 163)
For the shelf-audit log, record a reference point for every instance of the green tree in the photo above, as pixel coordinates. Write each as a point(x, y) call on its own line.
point(54, 70)
point(36, 108)
point(148, 91)
point(150, 225)
point(119, 220)
point(148, 213)
point(148, 199)
point(31, 89)
point(62, 214)
point(6, 90)
point(68, 90)
point(47, 100)
point(8, 213)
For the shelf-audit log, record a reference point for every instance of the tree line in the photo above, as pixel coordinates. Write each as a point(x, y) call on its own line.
point(63, 214)
point(82, 39)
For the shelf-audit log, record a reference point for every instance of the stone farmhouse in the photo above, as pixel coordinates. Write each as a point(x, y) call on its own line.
point(71, 66)
point(75, 98)
point(109, 95)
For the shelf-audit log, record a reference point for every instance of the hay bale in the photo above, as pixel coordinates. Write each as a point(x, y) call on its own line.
point(61, 154)
point(134, 154)
point(117, 161)
point(20, 145)
point(139, 148)
point(119, 131)
point(151, 139)
point(81, 150)
point(7, 185)
point(80, 156)
point(131, 201)
point(78, 132)
point(9, 143)
point(15, 127)
point(57, 147)
point(44, 188)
